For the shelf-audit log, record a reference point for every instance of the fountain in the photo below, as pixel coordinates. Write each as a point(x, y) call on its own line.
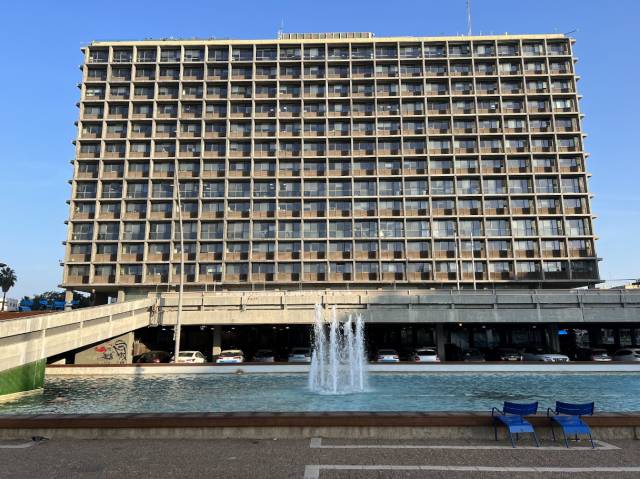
point(338, 363)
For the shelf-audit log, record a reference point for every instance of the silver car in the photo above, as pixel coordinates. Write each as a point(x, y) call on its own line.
point(300, 355)
point(539, 354)
point(627, 354)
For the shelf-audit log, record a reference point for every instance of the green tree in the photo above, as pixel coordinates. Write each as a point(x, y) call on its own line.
point(8, 280)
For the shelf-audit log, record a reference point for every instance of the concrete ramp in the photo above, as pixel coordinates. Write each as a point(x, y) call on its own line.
point(25, 343)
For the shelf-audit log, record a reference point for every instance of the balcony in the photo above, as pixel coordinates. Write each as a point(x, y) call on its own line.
point(157, 278)
point(77, 279)
point(130, 279)
point(445, 276)
point(80, 257)
point(419, 276)
point(236, 278)
point(158, 257)
point(500, 253)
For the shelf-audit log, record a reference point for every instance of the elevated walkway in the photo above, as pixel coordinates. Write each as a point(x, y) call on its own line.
point(25, 343)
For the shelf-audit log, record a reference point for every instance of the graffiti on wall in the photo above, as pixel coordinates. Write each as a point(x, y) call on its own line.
point(115, 351)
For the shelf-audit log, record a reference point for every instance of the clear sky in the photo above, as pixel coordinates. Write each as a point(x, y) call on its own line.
point(40, 43)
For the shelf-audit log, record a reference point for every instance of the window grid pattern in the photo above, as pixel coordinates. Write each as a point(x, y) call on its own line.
point(362, 160)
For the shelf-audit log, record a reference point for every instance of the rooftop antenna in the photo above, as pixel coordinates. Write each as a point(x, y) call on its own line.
point(469, 17)
point(281, 29)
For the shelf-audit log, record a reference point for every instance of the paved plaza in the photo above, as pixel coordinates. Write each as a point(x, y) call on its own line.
point(315, 459)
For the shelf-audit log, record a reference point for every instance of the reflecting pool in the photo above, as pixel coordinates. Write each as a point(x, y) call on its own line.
point(290, 393)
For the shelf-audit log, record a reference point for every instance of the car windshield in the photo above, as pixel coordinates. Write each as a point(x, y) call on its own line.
point(264, 352)
point(387, 351)
point(300, 351)
point(185, 354)
point(426, 352)
point(599, 351)
point(508, 351)
point(231, 353)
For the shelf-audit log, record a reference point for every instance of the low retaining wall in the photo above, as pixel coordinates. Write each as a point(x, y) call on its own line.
point(606, 426)
point(21, 380)
point(497, 367)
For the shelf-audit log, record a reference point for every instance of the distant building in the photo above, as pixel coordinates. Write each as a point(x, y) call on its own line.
point(11, 304)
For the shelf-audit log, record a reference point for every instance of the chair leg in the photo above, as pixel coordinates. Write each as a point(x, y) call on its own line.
point(566, 443)
point(553, 432)
point(513, 444)
point(535, 438)
point(495, 429)
point(592, 443)
point(517, 437)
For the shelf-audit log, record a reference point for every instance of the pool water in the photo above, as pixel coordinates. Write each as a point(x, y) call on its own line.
point(618, 392)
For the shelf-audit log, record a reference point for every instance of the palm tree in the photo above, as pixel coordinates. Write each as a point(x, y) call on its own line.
point(8, 280)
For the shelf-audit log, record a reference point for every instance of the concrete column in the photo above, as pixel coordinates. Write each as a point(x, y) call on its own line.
point(217, 341)
point(68, 298)
point(440, 340)
point(121, 296)
point(553, 338)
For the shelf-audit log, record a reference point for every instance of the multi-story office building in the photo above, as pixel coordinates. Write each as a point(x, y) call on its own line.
point(320, 160)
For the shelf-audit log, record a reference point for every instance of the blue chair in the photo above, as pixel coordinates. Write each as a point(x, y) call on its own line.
point(569, 417)
point(512, 417)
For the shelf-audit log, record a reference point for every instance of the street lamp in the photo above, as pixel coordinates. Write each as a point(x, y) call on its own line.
point(176, 187)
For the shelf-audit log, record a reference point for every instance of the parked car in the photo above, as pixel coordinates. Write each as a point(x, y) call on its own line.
point(230, 356)
point(195, 357)
point(506, 354)
point(539, 354)
point(264, 356)
point(593, 354)
point(426, 355)
point(472, 355)
point(300, 355)
point(387, 356)
point(627, 354)
point(154, 357)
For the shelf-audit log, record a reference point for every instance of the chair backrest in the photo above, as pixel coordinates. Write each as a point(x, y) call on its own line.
point(575, 409)
point(520, 409)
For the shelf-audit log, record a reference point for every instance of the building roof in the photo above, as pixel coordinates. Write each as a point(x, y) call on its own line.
point(317, 39)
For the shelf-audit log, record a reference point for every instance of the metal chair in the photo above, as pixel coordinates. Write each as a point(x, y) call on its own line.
point(569, 417)
point(512, 417)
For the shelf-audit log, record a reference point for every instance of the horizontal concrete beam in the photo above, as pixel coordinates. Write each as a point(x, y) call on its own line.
point(407, 306)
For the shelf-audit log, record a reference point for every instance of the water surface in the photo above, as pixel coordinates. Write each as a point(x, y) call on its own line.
point(289, 393)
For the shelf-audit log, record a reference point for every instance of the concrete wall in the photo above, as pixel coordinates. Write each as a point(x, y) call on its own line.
point(117, 350)
point(406, 306)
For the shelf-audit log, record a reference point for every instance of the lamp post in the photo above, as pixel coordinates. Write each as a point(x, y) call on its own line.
point(176, 187)
point(473, 260)
point(457, 253)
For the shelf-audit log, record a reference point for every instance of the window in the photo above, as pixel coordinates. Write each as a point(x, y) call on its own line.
point(497, 228)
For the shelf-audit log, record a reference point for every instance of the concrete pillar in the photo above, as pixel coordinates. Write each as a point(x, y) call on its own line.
point(217, 341)
point(68, 298)
point(121, 296)
point(440, 340)
point(553, 338)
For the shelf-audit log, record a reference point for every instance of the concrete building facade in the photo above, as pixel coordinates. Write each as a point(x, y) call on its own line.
point(330, 160)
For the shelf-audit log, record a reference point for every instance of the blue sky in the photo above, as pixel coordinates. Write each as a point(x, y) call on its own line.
point(40, 43)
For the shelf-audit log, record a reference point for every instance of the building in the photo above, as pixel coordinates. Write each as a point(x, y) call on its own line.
point(11, 304)
point(330, 160)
